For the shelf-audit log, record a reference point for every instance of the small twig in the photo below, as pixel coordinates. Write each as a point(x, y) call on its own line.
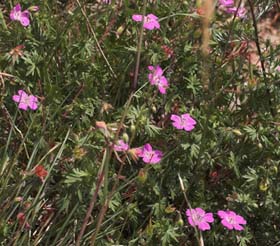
point(111, 23)
point(90, 208)
point(96, 40)
point(106, 205)
point(261, 56)
point(7, 75)
point(209, 9)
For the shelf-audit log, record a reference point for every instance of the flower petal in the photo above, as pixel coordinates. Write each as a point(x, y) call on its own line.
point(189, 119)
point(190, 220)
point(175, 117)
point(24, 21)
point(23, 106)
point(22, 93)
point(17, 8)
point(158, 71)
point(137, 17)
point(209, 217)
point(148, 25)
point(222, 214)
point(227, 224)
point(33, 102)
point(238, 227)
point(240, 220)
point(12, 15)
point(200, 211)
point(16, 98)
point(148, 147)
point(188, 128)
point(162, 90)
point(204, 226)
point(152, 16)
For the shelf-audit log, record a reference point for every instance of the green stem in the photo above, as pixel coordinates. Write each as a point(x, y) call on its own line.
point(198, 233)
point(139, 47)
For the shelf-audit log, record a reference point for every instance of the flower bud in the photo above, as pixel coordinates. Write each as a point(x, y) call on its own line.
point(33, 8)
point(264, 185)
point(101, 125)
point(169, 209)
point(18, 199)
point(237, 132)
point(125, 137)
point(132, 128)
point(180, 222)
point(134, 153)
point(120, 31)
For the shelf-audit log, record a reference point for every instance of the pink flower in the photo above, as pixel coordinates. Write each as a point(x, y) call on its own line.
point(21, 219)
point(277, 68)
point(150, 21)
point(185, 121)
point(226, 3)
point(149, 155)
point(156, 78)
point(26, 101)
point(241, 12)
point(121, 146)
point(231, 220)
point(17, 15)
point(198, 217)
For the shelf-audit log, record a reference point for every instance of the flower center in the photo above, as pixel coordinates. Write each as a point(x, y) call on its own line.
point(147, 19)
point(197, 218)
point(231, 220)
point(25, 100)
point(17, 15)
point(157, 79)
point(149, 154)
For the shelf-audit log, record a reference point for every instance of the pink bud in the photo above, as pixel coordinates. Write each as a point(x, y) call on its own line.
point(34, 8)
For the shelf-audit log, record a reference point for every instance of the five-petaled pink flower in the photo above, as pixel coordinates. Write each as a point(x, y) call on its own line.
point(198, 217)
point(150, 21)
point(231, 220)
point(17, 15)
point(226, 3)
point(149, 155)
point(185, 121)
point(121, 146)
point(26, 100)
point(156, 78)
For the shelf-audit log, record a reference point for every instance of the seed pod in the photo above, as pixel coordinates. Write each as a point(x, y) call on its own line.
point(142, 175)
point(132, 128)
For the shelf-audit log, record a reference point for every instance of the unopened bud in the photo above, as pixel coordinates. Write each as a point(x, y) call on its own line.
point(18, 199)
point(33, 8)
point(125, 137)
point(101, 125)
point(132, 128)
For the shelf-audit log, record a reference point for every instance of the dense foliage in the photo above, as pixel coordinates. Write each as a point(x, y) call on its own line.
point(80, 59)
